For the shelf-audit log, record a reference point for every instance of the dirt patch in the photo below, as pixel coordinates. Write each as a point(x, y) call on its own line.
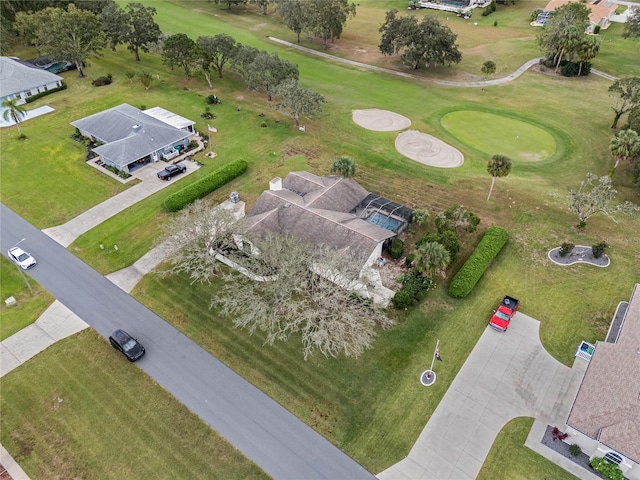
point(380, 120)
point(428, 150)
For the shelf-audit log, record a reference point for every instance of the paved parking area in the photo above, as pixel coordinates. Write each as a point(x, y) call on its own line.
point(507, 375)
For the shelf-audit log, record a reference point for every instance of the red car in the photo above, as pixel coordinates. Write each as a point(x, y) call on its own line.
point(505, 312)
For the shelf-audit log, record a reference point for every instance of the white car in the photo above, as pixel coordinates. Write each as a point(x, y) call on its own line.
point(22, 258)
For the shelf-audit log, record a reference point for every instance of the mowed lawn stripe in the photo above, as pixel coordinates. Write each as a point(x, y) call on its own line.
point(79, 409)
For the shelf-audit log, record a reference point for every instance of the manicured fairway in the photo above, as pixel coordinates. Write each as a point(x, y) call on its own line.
point(80, 410)
point(493, 134)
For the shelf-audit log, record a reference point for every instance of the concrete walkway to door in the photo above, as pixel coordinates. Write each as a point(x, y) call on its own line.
point(507, 375)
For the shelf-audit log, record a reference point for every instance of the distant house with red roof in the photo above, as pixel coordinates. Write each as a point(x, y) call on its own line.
point(600, 14)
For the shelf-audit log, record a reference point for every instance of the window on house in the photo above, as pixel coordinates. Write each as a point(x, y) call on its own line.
point(45, 88)
point(613, 458)
point(28, 92)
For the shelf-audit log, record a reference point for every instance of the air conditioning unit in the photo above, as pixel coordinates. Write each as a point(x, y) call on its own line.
point(234, 197)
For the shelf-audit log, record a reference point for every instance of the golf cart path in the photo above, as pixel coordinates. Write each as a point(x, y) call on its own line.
point(481, 83)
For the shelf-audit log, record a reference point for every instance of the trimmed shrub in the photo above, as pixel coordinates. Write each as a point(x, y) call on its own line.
point(35, 97)
point(606, 468)
point(468, 276)
point(596, 30)
point(212, 100)
point(575, 450)
point(598, 249)
point(565, 249)
point(401, 300)
point(101, 81)
point(396, 249)
point(569, 69)
point(204, 186)
point(409, 259)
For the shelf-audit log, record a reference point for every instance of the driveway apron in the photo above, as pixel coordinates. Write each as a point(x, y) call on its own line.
point(507, 375)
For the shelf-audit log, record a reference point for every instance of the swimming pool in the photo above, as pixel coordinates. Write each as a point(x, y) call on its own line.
point(385, 222)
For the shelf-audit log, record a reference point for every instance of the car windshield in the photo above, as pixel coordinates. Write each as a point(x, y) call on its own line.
point(129, 345)
point(502, 315)
point(22, 257)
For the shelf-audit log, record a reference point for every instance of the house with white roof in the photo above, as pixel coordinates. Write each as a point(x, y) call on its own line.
point(21, 80)
point(128, 137)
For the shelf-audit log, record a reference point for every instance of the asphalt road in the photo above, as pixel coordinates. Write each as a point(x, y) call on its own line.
point(276, 440)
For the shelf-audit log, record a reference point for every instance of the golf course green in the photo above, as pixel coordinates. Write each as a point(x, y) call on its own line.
point(492, 134)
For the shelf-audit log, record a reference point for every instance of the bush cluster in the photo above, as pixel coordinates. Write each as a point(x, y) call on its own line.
point(492, 242)
point(100, 81)
point(414, 288)
point(212, 99)
point(447, 239)
point(204, 186)
point(565, 249)
point(490, 9)
point(573, 69)
point(396, 249)
point(35, 97)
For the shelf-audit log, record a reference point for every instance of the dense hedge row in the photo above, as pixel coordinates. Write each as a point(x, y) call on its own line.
point(492, 242)
point(35, 97)
point(204, 186)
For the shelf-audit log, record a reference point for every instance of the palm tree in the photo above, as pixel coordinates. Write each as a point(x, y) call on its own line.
point(588, 49)
point(430, 257)
point(13, 111)
point(498, 166)
point(625, 145)
point(345, 166)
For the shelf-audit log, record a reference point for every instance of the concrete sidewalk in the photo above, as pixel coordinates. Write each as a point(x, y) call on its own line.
point(66, 233)
point(507, 375)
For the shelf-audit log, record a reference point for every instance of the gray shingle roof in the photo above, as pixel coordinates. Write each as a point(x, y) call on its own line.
point(607, 406)
point(123, 143)
point(17, 77)
point(285, 211)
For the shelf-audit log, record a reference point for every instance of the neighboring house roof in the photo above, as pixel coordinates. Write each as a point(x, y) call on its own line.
point(318, 210)
point(169, 118)
point(607, 406)
point(128, 133)
point(17, 76)
point(599, 9)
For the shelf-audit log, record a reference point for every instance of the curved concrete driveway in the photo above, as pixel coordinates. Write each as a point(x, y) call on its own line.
point(507, 375)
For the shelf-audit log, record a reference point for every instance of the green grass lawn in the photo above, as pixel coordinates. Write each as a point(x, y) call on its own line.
point(29, 305)
point(491, 134)
point(80, 410)
point(509, 459)
point(374, 407)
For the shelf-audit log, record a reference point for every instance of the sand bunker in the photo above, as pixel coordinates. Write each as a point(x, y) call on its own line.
point(428, 150)
point(380, 120)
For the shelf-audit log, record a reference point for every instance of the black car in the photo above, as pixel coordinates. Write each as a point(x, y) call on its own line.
point(171, 171)
point(129, 346)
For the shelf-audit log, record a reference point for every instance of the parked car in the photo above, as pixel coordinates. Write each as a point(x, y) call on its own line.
point(505, 312)
point(23, 259)
point(171, 171)
point(127, 345)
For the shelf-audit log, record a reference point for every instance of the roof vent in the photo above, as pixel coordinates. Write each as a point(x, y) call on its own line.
point(234, 197)
point(136, 128)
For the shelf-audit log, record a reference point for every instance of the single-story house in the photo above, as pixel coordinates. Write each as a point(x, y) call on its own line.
point(128, 137)
point(600, 14)
point(605, 417)
point(328, 210)
point(20, 80)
